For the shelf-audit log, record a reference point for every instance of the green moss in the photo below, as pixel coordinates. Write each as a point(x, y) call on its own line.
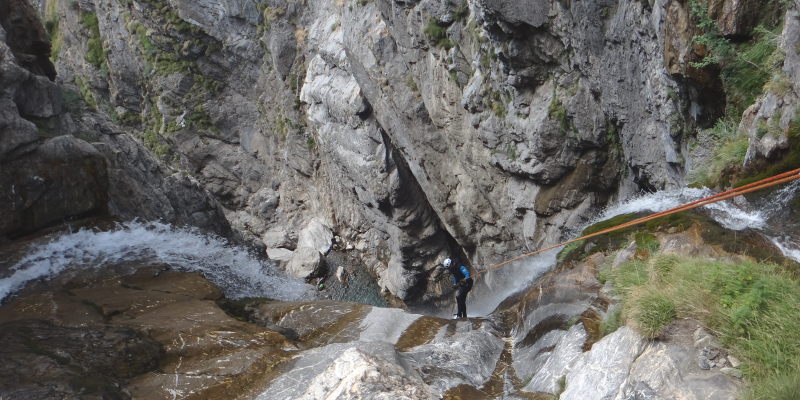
point(199, 119)
point(52, 24)
point(95, 53)
point(571, 251)
point(511, 152)
point(557, 112)
point(411, 83)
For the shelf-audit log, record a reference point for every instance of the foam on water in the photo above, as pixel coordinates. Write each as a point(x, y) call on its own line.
point(232, 268)
point(724, 212)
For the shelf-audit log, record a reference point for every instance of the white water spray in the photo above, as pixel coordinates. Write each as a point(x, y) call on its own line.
point(724, 212)
point(232, 268)
point(501, 283)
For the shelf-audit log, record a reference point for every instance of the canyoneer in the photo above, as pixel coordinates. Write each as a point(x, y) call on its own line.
point(462, 282)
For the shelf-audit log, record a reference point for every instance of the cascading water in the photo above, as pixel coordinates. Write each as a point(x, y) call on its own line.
point(232, 268)
point(766, 214)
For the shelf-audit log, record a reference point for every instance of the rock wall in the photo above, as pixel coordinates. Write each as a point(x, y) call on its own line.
point(411, 129)
point(60, 160)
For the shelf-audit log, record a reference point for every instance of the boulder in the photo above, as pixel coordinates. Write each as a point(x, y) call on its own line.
point(316, 236)
point(306, 263)
point(278, 237)
point(281, 255)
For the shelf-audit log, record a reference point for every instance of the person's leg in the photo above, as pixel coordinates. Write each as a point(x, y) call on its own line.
point(467, 287)
point(461, 299)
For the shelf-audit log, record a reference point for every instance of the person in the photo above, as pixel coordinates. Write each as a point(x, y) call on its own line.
point(462, 282)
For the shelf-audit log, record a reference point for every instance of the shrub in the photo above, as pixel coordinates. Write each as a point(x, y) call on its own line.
point(437, 34)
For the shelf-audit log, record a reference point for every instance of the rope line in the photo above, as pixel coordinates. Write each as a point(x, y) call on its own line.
point(738, 191)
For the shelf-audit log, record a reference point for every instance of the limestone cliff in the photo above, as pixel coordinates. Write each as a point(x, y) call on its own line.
point(412, 129)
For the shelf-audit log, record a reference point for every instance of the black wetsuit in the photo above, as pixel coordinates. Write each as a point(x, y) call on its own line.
point(463, 282)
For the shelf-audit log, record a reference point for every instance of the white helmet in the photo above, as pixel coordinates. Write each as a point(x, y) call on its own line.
point(447, 262)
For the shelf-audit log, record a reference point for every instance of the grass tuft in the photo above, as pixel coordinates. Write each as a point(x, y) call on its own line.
point(754, 307)
point(652, 313)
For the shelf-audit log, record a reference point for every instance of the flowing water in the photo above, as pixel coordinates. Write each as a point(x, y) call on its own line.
point(766, 214)
point(232, 268)
point(240, 274)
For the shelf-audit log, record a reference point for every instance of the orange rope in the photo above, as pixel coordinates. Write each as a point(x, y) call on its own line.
point(752, 187)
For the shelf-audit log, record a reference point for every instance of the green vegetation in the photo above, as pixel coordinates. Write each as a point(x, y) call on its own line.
point(755, 308)
point(729, 152)
point(646, 242)
point(411, 83)
point(52, 25)
point(310, 143)
point(152, 133)
point(746, 67)
point(557, 112)
point(462, 11)
point(612, 321)
point(268, 16)
point(511, 152)
point(95, 53)
point(569, 250)
point(790, 161)
point(86, 92)
point(72, 100)
point(437, 34)
point(497, 104)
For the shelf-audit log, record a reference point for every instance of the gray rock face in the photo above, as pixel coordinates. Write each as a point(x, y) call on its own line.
point(412, 129)
point(64, 177)
point(600, 372)
point(356, 115)
point(71, 361)
point(52, 176)
point(767, 122)
point(348, 371)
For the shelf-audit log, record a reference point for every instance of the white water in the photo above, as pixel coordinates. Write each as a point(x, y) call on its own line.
point(510, 279)
point(724, 212)
point(238, 273)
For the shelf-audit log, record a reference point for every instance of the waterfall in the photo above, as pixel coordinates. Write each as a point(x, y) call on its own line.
point(765, 214)
point(232, 268)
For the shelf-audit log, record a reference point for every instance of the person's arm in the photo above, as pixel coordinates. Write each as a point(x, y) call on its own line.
point(465, 271)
